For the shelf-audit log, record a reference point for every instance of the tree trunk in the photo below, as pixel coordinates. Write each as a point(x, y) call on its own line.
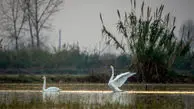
point(15, 35)
point(37, 24)
point(16, 43)
point(38, 40)
point(31, 33)
point(30, 24)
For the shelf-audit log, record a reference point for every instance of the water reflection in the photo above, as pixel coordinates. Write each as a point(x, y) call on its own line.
point(50, 97)
point(98, 98)
point(188, 101)
point(101, 98)
point(8, 97)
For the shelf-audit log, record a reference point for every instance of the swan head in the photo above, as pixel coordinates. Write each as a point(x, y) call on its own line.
point(44, 77)
point(111, 67)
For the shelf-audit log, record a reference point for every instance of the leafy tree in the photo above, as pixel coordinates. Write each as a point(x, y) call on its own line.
point(149, 39)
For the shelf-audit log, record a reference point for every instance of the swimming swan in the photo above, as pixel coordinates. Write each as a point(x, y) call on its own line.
point(50, 89)
point(119, 80)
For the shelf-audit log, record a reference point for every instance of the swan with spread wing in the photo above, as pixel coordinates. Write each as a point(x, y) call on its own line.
point(119, 80)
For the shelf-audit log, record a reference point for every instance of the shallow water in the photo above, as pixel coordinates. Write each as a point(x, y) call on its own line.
point(82, 97)
point(146, 99)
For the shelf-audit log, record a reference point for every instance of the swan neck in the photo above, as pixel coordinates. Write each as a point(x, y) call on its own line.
point(44, 84)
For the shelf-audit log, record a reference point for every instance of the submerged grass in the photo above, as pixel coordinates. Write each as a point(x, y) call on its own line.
point(159, 102)
point(63, 106)
point(41, 105)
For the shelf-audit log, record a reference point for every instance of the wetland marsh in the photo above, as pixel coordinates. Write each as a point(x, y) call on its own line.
point(80, 96)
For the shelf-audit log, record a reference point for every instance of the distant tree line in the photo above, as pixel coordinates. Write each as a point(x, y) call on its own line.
point(69, 59)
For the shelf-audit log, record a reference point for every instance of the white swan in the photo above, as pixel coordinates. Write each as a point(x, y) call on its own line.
point(119, 80)
point(50, 89)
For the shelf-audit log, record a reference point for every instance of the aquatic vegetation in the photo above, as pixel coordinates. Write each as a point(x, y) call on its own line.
point(160, 102)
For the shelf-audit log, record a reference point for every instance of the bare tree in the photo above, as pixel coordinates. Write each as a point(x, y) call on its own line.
point(39, 13)
point(13, 18)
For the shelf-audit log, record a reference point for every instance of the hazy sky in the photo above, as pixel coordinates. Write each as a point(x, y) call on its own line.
point(79, 19)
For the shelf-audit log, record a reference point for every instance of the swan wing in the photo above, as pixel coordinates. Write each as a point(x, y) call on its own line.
point(53, 89)
point(121, 78)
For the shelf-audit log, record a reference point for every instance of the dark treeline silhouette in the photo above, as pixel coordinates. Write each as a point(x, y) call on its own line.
point(68, 60)
point(71, 60)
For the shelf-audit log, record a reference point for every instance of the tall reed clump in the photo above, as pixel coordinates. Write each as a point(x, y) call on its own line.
point(150, 40)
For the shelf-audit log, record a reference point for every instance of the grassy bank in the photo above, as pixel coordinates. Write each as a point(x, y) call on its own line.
point(83, 78)
point(99, 86)
point(80, 82)
point(21, 78)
